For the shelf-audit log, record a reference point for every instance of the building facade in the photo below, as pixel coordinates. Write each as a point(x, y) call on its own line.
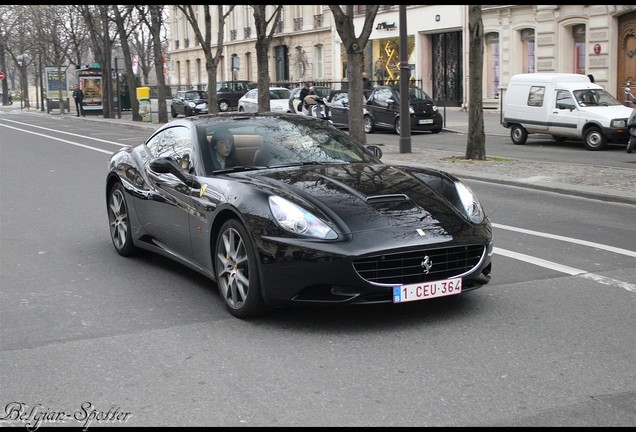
point(591, 39)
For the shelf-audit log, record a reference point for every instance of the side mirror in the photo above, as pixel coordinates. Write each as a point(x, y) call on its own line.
point(565, 106)
point(375, 151)
point(167, 165)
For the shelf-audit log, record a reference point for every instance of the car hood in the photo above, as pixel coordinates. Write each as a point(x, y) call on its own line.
point(423, 107)
point(367, 197)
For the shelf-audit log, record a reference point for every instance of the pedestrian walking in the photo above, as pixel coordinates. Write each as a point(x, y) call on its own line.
point(78, 96)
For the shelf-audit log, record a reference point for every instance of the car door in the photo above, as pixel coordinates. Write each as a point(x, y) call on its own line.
point(339, 108)
point(250, 101)
point(383, 107)
point(178, 102)
point(564, 118)
point(167, 206)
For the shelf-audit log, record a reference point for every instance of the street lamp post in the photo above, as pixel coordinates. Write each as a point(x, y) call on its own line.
point(22, 61)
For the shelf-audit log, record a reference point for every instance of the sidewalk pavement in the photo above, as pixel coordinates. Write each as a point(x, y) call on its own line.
point(604, 183)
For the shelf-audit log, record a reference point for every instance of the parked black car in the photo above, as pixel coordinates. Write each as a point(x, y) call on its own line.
point(338, 102)
point(189, 103)
point(383, 110)
point(228, 93)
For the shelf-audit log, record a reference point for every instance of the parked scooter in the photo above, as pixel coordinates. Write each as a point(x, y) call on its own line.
point(316, 107)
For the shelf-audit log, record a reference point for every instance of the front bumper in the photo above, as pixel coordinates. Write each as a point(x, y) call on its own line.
point(338, 276)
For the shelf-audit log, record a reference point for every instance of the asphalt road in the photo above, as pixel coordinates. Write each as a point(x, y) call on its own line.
point(549, 342)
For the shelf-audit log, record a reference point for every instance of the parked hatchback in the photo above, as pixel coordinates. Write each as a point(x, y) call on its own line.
point(278, 100)
point(383, 110)
point(189, 103)
point(228, 93)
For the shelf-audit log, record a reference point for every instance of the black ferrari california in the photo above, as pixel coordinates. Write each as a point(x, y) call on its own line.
point(282, 209)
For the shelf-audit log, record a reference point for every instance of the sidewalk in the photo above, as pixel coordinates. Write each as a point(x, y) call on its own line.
point(598, 182)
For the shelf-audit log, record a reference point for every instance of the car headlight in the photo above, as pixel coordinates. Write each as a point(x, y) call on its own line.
point(191, 104)
point(618, 123)
point(434, 108)
point(299, 221)
point(471, 204)
point(411, 110)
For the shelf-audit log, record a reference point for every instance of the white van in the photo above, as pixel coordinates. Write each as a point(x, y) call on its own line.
point(566, 106)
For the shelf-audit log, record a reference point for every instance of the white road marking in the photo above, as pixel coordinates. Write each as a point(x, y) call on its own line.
point(568, 239)
point(565, 269)
point(59, 139)
point(58, 131)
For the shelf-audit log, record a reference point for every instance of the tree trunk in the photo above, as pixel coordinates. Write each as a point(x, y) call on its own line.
point(476, 145)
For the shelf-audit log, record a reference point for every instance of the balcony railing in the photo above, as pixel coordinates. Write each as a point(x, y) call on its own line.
point(247, 32)
point(280, 27)
point(298, 24)
point(176, 44)
point(318, 20)
point(186, 43)
point(233, 35)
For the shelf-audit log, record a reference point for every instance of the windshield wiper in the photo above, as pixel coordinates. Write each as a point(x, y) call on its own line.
point(239, 168)
point(307, 163)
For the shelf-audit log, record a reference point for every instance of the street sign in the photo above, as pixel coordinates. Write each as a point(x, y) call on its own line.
point(1, 75)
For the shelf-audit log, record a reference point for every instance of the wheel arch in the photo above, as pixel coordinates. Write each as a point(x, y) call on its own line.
point(226, 213)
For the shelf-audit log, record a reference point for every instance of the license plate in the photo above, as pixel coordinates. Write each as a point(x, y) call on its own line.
point(427, 290)
point(426, 121)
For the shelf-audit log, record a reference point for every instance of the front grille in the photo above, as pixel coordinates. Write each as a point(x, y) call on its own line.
point(406, 267)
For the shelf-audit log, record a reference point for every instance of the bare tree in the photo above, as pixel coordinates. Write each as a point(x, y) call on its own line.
point(354, 47)
point(476, 145)
point(7, 24)
point(263, 41)
point(155, 26)
point(142, 45)
point(211, 61)
point(96, 18)
point(125, 26)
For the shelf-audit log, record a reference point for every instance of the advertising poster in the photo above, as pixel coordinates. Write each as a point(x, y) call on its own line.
point(56, 81)
point(92, 88)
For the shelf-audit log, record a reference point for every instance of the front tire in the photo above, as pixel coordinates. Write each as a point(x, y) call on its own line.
point(594, 139)
point(119, 221)
point(173, 113)
point(397, 125)
point(631, 144)
point(224, 106)
point(369, 126)
point(237, 271)
point(518, 134)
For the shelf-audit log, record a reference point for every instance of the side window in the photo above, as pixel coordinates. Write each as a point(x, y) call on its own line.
point(536, 96)
point(563, 97)
point(175, 142)
point(381, 97)
point(239, 86)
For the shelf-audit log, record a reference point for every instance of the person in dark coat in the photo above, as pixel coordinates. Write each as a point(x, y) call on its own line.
point(223, 154)
point(303, 94)
point(78, 96)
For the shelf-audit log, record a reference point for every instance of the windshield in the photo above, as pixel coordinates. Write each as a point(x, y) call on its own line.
point(595, 97)
point(279, 94)
point(267, 142)
point(196, 95)
point(416, 94)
